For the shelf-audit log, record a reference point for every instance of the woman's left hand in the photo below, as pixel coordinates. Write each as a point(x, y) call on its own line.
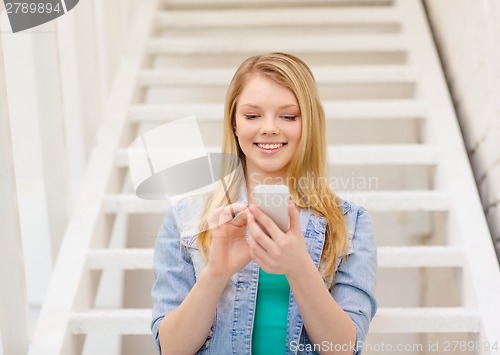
point(277, 252)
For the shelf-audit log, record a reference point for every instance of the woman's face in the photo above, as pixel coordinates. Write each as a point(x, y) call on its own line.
point(268, 127)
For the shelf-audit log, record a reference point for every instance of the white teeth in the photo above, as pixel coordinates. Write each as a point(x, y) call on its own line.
point(270, 146)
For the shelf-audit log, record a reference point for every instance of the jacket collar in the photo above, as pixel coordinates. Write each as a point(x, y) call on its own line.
point(346, 206)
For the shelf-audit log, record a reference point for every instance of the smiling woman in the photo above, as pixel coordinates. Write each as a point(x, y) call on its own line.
point(268, 132)
point(238, 288)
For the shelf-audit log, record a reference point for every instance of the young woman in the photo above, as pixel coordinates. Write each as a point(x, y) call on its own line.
point(241, 285)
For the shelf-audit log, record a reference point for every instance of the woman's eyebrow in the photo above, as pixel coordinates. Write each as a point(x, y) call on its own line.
point(251, 105)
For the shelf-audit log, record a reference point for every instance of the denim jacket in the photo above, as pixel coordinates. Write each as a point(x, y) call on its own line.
point(178, 262)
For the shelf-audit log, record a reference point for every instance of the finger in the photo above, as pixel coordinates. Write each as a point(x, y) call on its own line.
point(213, 217)
point(237, 208)
point(271, 227)
point(293, 212)
point(241, 219)
point(261, 238)
point(229, 211)
point(226, 215)
point(254, 227)
point(257, 252)
point(223, 214)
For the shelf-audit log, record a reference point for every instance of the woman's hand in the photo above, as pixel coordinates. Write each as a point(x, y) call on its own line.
point(229, 250)
point(277, 252)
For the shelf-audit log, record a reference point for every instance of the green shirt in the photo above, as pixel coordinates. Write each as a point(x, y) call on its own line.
point(271, 311)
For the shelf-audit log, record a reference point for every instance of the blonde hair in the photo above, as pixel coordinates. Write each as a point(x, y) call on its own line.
point(307, 170)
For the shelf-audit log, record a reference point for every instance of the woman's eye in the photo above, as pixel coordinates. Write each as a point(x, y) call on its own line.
point(250, 116)
point(289, 117)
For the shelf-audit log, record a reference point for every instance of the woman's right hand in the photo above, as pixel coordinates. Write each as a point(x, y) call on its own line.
point(229, 250)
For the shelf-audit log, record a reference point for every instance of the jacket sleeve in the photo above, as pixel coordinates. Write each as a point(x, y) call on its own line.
point(356, 277)
point(173, 271)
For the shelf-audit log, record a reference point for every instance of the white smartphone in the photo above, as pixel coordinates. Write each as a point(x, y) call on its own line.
point(273, 201)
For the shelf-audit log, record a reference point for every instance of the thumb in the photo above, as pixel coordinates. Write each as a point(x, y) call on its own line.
point(293, 212)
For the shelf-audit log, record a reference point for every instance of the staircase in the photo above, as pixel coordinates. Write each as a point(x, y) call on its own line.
point(395, 148)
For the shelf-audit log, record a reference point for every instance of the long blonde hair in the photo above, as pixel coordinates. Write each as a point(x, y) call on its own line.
point(307, 170)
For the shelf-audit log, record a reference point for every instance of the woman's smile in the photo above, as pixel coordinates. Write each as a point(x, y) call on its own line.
point(270, 148)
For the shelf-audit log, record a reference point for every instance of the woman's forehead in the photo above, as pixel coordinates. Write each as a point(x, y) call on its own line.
point(259, 90)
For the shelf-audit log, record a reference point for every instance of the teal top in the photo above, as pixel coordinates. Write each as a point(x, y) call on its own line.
point(271, 311)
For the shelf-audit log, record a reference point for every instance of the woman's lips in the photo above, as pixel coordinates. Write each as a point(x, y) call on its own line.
point(269, 150)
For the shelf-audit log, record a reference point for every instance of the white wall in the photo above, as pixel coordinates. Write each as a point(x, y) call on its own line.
point(19, 60)
point(468, 35)
point(58, 76)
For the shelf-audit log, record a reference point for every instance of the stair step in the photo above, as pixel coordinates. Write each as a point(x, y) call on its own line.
point(420, 256)
point(221, 4)
point(346, 155)
point(426, 320)
point(379, 43)
point(115, 321)
point(388, 257)
point(337, 110)
point(415, 200)
point(234, 18)
point(387, 320)
point(390, 74)
point(123, 259)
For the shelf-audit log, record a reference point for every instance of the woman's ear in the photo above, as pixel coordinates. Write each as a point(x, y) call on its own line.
point(234, 129)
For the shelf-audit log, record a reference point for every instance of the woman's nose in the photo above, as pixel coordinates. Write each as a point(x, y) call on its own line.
point(269, 126)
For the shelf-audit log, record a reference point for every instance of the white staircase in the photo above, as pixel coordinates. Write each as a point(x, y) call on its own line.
point(390, 120)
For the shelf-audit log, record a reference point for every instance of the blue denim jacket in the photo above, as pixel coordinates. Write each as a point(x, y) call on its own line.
point(178, 262)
